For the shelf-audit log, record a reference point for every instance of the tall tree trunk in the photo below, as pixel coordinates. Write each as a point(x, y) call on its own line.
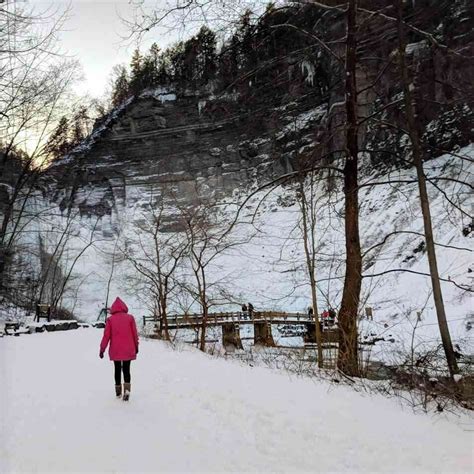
point(202, 344)
point(311, 267)
point(205, 310)
point(347, 360)
point(164, 311)
point(424, 200)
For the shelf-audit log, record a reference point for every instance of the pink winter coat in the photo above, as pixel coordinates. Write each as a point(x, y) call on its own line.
point(121, 331)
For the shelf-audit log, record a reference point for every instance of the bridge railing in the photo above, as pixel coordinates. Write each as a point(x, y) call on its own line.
point(191, 319)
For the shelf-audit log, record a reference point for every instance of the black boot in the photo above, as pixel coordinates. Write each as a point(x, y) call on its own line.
point(126, 392)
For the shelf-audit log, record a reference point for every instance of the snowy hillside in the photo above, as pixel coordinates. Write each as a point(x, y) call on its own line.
point(267, 267)
point(191, 413)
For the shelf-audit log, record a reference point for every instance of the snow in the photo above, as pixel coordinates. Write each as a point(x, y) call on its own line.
point(308, 69)
point(167, 97)
point(201, 106)
point(302, 121)
point(161, 93)
point(268, 268)
point(415, 47)
point(189, 412)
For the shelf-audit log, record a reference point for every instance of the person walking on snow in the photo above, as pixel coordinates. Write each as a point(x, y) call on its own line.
point(121, 332)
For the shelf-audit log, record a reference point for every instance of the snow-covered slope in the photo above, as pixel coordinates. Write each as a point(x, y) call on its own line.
point(191, 413)
point(268, 269)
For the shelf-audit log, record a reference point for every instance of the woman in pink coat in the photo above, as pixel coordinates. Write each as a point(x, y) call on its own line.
point(121, 332)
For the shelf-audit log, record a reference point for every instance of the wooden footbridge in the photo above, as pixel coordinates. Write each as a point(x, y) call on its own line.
point(262, 322)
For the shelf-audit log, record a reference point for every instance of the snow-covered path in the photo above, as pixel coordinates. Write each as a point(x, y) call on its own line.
point(189, 412)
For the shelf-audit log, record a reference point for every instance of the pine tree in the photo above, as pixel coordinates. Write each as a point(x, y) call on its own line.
point(206, 57)
point(136, 72)
point(176, 56)
point(228, 66)
point(246, 37)
point(121, 87)
point(189, 68)
point(154, 55)
point(81, 125)
point(163, 73)
point(149, 69)
point(59, 142)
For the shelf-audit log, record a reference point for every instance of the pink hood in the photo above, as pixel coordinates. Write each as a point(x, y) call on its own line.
point(118, 306)
point(121, 332)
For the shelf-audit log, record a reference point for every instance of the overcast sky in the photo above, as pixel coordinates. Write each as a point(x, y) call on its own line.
point(94, 35)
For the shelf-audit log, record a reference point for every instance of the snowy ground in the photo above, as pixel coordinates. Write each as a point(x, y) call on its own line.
point(190, 412)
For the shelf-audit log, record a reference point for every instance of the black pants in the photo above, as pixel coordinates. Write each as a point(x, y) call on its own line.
point(122, 365)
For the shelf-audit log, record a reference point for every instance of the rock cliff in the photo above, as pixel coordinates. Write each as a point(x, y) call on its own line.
point(183, 145)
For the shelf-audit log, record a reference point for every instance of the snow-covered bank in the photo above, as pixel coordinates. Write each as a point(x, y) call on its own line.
point(268, 269)
point(190, 413)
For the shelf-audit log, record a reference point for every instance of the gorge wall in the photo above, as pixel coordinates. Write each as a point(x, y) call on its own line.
point(273, 96)
point(170, 145)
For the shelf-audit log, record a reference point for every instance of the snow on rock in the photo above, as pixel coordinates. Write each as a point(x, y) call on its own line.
point(191, 413)
point(308, 69)
point(161, 93)
point(201, 105)
point(167, 97)
point(86, 144)
point(302, 121)
point(415, 47)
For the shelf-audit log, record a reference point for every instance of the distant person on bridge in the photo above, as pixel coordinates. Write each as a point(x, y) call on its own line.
point(121, 332)
point(250, 307)
point(324, 317)
point(331, 316)
point(245, 313)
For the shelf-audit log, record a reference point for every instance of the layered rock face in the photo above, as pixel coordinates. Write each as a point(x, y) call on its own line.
point(181, 147)
point(184, 143)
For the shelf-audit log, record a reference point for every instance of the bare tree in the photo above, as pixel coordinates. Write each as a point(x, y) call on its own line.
point(208, 238)
point(157, 257)
point(348, 357)
point(188, 15)
point(424, 200)
point(204, 247)
point(68, 278)
point(34, 79)
point(306, 194)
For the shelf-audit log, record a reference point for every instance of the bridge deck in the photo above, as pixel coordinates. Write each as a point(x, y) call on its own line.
point(210, 322)
point(218, 319)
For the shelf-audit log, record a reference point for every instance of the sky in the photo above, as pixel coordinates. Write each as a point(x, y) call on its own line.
point(95, 35)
